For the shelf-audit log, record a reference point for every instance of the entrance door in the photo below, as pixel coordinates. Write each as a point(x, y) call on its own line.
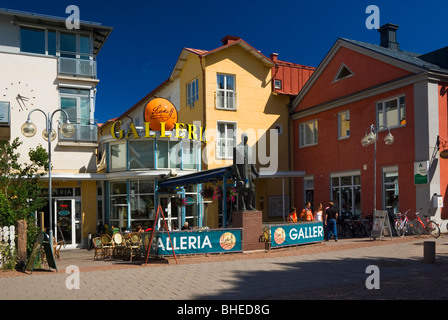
point(170, 211)
point(65, 221)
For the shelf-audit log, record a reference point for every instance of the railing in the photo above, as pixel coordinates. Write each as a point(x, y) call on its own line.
point(7, 242)
point(77, 67)
point(225, 100)
point(83, 133)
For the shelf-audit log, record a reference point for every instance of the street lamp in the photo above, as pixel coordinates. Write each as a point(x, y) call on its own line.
point(67, 130)
point(371, 138)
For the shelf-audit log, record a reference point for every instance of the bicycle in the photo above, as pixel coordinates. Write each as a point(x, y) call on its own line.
point(403, 225)
point(431, 227)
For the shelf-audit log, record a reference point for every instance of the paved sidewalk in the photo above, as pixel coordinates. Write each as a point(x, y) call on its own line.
point(331, 270)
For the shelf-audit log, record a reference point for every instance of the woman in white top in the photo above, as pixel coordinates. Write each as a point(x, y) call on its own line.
point(318, 214)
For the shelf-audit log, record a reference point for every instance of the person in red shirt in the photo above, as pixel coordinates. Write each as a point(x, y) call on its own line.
point(307, 213)
point(292, 217)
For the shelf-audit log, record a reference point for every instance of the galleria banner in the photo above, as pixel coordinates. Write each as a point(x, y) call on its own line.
point(296, 233)
point(195, 242)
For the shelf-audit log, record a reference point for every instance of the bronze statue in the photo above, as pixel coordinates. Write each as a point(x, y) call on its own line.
point(244, 172)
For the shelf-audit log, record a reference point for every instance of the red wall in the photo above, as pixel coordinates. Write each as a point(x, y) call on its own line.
point(332, 155)
point(443, 135)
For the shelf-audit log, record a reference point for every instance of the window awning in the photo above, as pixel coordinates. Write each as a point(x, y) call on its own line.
point(197, 177)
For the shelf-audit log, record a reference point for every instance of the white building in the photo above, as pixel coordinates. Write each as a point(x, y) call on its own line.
point(46, 66)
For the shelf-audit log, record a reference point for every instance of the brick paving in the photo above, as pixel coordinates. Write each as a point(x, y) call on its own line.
point(329, 271)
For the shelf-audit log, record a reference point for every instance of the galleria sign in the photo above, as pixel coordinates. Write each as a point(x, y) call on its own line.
point(160, 116)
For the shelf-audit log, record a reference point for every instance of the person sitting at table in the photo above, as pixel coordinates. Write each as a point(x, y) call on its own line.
point(307, 214)
point(186, 226)
point(139, 229)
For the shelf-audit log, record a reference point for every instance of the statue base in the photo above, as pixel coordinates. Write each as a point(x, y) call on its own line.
point(252, 224)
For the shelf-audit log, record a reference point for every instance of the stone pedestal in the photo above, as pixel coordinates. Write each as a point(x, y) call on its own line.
point(252, 224)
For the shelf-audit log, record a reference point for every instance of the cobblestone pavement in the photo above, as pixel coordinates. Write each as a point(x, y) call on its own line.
point(329, 270)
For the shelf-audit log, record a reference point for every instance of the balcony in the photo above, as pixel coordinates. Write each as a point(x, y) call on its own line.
point(77, 67)
point(85, 133)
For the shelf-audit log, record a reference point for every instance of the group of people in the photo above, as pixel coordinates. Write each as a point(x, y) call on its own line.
point(327, 216)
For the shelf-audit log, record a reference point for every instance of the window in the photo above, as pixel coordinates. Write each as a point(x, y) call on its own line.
point(192, 92)
point(32, 40)
point(391, 112)
point(44, 41)
point(390, 187)
point(226, 140)
point(279, 128)
point(118, 156)
point(346, 193)
point(308, 133)
point(141, 154)
point(141, 200)
point(344, 124)
point(342, 73)
point(76, 102)
point(118, 205)
point(277, 84)
point(225, 92)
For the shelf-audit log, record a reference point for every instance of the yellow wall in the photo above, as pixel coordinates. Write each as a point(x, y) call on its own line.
point(257, 109)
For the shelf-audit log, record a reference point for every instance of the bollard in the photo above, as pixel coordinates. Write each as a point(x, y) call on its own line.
point(429, 252)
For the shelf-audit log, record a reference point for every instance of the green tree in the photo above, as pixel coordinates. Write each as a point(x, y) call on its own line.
point(21, 185)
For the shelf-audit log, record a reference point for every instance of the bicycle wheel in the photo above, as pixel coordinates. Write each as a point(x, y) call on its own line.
point(433, 229)
point(417, 228)
point(367, 228)
point(400, 228)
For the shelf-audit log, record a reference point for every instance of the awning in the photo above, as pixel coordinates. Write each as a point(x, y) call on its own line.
point(197, 177)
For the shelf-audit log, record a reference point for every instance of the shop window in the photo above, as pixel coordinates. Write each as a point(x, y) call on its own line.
point(141, 199)
point(390, 187)
point(118, 156)
point(343, 124)
point(141, 154)
point(346, 194)
point(308, 133)
point(391, 112)
point(118, 205)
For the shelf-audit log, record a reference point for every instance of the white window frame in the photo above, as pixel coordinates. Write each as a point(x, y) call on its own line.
point(277, 84)
point(381, 106)
point(77, 96)
point(347, 118)
point(227, 140)
point(225, 91)
point(303, 135)
point(192, 92)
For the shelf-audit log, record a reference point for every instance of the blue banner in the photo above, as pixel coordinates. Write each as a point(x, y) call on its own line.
point(296, 233)
point(197, 242)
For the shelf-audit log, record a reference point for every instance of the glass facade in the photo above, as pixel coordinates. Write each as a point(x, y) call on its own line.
point(346, 194)
point(133, 200)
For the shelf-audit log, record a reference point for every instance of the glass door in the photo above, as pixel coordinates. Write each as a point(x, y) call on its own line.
point(65, 221)
point(170, 209)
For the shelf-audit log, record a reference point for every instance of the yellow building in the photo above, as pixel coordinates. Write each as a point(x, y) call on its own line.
point(234, 89)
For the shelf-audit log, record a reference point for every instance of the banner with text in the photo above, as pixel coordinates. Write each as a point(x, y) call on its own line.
point(296, 233)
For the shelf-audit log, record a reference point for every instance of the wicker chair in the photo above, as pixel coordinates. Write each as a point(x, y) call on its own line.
point(119, 244)
point(106, 245)
point(57, 248)
point(98, 247)
point(133, 244)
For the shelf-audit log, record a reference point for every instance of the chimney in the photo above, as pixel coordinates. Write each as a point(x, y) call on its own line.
point(229, 40)
point(274, 57)
point(388, 36)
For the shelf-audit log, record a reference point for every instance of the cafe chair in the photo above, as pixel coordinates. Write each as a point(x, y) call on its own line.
point(106, 245)
point(118, 244)
point(98, 247)
point(57, 248)
point(133, 244)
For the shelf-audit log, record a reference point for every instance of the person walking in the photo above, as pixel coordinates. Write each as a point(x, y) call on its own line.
point(330, 221)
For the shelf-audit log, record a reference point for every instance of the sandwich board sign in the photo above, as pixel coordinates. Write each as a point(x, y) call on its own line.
point(42, 240)
point(381, 223)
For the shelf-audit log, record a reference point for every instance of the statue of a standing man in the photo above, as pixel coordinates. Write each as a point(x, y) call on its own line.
point(244, 172)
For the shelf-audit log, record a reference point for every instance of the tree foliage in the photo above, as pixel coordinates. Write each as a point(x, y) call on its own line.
point(20, 183)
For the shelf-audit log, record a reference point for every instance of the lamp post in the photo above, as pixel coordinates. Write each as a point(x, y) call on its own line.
point(67, 130)
point(371, 138)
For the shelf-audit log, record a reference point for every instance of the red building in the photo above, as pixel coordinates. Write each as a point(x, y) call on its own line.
point(358, 85)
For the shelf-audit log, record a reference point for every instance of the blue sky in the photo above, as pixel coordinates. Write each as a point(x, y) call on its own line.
point(148, 36)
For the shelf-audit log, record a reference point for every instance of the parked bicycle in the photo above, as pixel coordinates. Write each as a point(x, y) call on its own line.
point(429, 226)
point(403, 225)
